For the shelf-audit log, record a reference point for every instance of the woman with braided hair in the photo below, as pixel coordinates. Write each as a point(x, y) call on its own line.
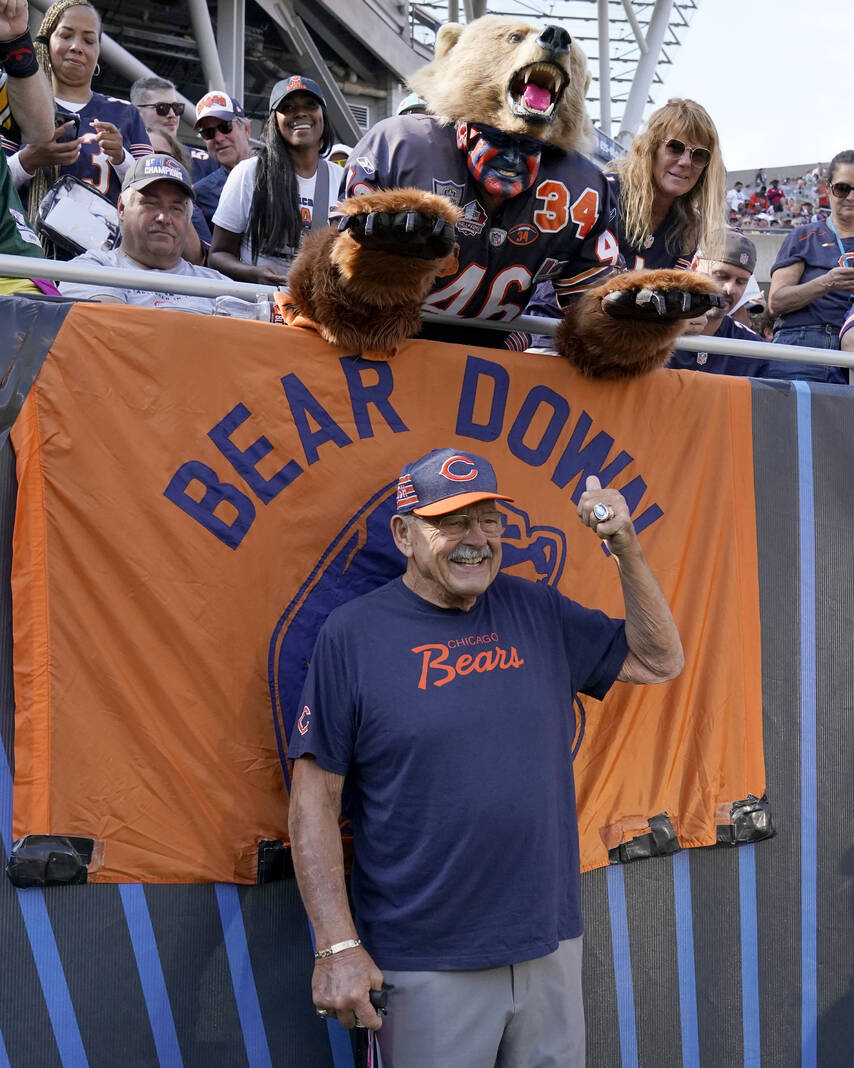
point(111, 132)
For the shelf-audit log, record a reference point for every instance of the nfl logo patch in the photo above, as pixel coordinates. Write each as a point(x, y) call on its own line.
point(497, 237)
point(452, 190)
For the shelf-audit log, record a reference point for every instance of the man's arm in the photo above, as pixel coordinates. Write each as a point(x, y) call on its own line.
point(30, 96)
point(655, 651)
point(341, 983)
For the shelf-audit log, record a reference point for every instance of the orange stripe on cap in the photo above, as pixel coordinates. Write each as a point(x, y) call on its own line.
point(459, 500)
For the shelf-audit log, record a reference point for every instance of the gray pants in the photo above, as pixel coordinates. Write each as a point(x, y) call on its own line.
point(527, 1015)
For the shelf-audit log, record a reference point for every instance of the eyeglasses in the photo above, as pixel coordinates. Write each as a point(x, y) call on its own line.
point(841, 190)
point(458, 525)
point(699, 156)
point(163, 108)
point(209, 132)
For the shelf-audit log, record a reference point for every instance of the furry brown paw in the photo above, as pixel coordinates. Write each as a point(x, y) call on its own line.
point(639, 337)
point(402, 222)
point(407, 233)
point(662, 304)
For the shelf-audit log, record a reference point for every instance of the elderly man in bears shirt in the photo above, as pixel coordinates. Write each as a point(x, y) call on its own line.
point(444, 699)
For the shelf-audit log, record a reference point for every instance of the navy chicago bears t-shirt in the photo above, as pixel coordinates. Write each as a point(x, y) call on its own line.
point(454, 730)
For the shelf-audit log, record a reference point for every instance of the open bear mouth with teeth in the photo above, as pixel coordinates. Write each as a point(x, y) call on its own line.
point(535, 91)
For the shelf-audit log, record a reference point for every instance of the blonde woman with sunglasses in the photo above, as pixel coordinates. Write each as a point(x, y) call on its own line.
point(812, 280)
point(671, 195)
point(670, 188)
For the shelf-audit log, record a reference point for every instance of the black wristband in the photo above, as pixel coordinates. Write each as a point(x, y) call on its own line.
point(18, 58)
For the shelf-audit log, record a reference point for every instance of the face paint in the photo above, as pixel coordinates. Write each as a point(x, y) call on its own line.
point(504, 164)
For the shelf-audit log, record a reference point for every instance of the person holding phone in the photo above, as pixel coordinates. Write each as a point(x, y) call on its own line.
point(812, 280)
point(111, 132)
point(24, 97)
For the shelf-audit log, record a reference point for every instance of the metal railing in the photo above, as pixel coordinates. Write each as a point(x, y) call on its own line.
point(160, 281)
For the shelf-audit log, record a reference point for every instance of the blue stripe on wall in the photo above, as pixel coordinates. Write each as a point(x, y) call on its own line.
point(622, 966)
point(806, 502)
point(52, 978)
point(5, 801)
point(749, 956)
point(242, 977)
point(685, 961)
point(51, 974)
point(4, 1056)
point(151, 975)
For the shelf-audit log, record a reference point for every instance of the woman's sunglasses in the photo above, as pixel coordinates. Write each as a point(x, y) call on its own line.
point(699, 156)
point(163, 108)
point(210, 132)
point(841, 190)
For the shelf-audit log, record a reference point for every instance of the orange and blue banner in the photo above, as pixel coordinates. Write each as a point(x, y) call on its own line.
point(195, 495)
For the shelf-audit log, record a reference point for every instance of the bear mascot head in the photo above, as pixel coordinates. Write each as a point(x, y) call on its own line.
point(512, 76)
point(465, 208)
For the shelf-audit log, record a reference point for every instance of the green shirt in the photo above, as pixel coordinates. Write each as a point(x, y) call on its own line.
point(17, 237)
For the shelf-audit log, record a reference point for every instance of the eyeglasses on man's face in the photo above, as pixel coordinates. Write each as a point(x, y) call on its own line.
point(458, 524)
point(163, 107)
point(210, 132)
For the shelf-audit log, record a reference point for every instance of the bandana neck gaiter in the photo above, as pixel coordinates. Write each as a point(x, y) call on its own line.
point(504, 164)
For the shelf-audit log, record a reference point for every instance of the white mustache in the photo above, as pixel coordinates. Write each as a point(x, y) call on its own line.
point(467, 554)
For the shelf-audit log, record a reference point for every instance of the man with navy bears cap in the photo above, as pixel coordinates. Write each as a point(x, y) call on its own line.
point(444, 698)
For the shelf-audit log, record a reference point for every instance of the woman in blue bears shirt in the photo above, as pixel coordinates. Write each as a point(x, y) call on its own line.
point(812, 280)
point(111, 133)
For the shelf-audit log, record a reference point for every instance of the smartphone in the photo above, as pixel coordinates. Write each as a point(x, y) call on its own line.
point(62, 116)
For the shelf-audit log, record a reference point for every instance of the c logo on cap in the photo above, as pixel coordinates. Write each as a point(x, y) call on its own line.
point(448, 473)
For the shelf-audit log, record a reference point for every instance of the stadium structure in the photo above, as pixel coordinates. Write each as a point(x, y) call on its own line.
point(362, 51)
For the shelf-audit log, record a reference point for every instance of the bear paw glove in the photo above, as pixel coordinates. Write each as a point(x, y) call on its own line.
point(363, 283)
point(407, 233)
point(628, 325)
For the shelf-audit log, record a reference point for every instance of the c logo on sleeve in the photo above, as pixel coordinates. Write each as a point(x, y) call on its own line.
point(303, 722)
point(451, 469)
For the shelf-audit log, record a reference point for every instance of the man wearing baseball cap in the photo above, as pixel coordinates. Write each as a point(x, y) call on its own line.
point(155, 207)
point(223, 126)
point(444, 698)
point(732, 272)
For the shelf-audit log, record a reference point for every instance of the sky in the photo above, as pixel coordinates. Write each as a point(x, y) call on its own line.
point(773, 76)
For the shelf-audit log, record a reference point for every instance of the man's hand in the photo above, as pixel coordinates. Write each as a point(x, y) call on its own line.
point(342, 985)
point(14, 16)
point(52, 153)
point(605, 511)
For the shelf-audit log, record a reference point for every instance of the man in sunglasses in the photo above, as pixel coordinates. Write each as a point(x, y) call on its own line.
point(157, 101)
point(223, 126)
point(445, 700)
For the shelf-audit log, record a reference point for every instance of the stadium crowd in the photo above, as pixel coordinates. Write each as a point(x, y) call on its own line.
point(114, 183)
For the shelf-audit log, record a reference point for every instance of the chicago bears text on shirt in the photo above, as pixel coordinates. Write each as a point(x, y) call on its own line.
point(440, 666)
